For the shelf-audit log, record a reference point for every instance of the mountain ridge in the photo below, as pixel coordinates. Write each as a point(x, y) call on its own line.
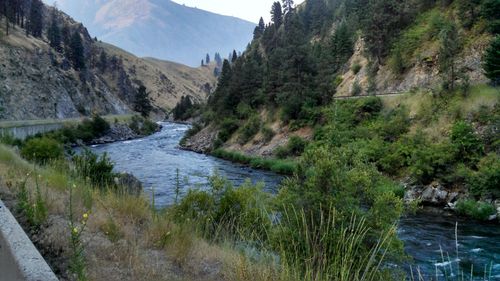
point(161, 29)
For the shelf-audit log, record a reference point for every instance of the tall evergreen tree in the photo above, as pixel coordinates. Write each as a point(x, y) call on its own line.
point(287, 6)
point(76, 51)
point(492, 61)
point(54, 32)
point(234, 57)
point(207, 59)
point(490, 10)
point(449, 49)
point(35, 24)
point(277, 14)
point(103, 61)
point(142, 102)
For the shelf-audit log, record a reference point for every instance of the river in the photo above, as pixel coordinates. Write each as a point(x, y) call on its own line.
point(156, 159)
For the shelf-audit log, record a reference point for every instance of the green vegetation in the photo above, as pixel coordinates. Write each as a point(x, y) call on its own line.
point(42, 150)
point(476, 210)
point(492, 61)
point(278, 166)
point(97, 170)
point(185, 109)
point(295, 147)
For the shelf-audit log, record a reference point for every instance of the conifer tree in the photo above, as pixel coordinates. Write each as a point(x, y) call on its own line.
point(103, 61)
point(76, 51)
point(492, 61)
point(142, 102)
point(234, 57)
point(450, 47)
point(54, 32)
point(35, 24)
point(287, 6)
point(277, 14)
point(207, 59)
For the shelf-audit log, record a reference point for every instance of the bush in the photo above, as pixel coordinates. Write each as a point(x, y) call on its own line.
point(42, 150)
point(486, 181)
point(294, 147)
point(227, 128)
point(432, 161)
point(98, 170)
point(356, 67)
point(475, 209)
point(251, 127)
point(466, 141)
point(267, 133)
point(143, 126)
point(356, 89)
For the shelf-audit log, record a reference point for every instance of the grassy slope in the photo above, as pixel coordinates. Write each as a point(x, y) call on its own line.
point(124, 239)
point(183, 80)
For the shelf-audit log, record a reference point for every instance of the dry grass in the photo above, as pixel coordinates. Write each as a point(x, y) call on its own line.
point(125, 239)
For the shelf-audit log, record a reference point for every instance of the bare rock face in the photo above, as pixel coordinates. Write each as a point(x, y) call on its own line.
point(202, 141)
point(129, 183)
point(432, 194)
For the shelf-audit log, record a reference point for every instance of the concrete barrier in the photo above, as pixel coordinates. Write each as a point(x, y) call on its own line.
point(19, 259)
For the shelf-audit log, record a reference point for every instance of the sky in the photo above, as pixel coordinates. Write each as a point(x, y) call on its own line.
point(250, 10)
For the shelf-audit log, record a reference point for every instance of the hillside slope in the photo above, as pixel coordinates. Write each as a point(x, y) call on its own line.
point(437, 137)
point(161, 28)
point(40, 81)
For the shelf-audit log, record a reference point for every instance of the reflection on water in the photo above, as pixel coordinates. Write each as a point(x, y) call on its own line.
point(154, 160)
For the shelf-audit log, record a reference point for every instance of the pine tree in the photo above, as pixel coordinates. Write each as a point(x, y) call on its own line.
point(202, 63)
point(76, 51)
point(54, 32)
point(287, 6)
point(234, 57)
point(450, 47)
point(259, 29)
point(35, 24)
point(492, 61)
point(490, 9)
point(468, 11)
point(277, 14)
point(103, 61)
point(207, 59)
point(142, 102)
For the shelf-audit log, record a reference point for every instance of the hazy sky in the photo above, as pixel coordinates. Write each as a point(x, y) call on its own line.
point(250, 10)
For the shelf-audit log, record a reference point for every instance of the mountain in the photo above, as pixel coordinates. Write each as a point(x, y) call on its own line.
point(78, 76)
point(160, 28)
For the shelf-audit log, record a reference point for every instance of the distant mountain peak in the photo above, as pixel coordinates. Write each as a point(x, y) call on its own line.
point(161, 28)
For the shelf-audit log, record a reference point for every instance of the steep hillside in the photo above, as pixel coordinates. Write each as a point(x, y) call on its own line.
point(437, 135)
point(43, 79)
point(161, 28)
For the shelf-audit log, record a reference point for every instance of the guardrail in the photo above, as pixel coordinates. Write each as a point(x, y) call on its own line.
point(19, 259)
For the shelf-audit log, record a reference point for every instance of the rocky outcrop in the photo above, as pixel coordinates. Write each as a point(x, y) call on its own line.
point(202, 141)
point(433, 194)
point(121, 132)
point(130, 184)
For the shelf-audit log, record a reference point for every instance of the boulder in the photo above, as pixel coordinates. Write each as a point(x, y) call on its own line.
point(129, 183)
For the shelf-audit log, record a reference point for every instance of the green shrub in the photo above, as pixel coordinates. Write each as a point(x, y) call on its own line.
point(294, 147)
point(466, 141)
point(42, 150)
point(251, 127)
point(267, 133)
point(356, 67)
point(96, 169)
point(432, 161)
point(143, 126)
point(227, 128)
point(475, 209)
point(486, 181)
point(356, 89)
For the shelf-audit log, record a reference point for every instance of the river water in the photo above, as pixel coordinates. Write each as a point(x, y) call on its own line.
point(158, 162)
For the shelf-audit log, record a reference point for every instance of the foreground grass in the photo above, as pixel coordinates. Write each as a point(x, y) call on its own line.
point(125, 237)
